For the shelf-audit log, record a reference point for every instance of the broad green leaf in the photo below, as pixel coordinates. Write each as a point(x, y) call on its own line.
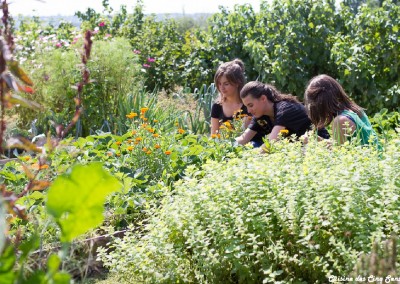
point(76, 200)
point(61, 278)
point(7, 261)
point(53, 263)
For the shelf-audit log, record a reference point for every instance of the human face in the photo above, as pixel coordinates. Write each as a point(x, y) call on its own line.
point(226, 88)
point(255, 107)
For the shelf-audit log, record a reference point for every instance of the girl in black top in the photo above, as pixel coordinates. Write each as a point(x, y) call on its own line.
point(229, 80)
point(273, 113)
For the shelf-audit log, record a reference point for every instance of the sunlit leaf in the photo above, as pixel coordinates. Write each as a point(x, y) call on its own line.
point(76, 200)
point(14, 68)
point(22, 143)
point(40, 184)
point(15, 99)
point(7, 261)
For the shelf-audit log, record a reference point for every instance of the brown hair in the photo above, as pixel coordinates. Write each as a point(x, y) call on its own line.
point(325, 99)
point(256, 89)
point(234, 73)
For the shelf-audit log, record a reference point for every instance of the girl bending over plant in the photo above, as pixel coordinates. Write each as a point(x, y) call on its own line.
point(273, 113)
point(327, 102)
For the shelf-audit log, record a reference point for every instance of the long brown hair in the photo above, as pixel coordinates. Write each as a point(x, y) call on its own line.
point(256, 89)
point(325, 98)
point(234, 73)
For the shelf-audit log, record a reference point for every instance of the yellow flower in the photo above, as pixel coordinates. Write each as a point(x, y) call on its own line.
point(26, 158)
point(132, 115)
point(143, 110)
point(181, 131)
point(134, 132)
point(228, 125)
point(129, 140)
point(167, 152)
point(144, 125)
point(156, 135)
point(284, 132)
point(155, 120)
point(157, 146)
point(118, 142)
point(151, 130)
point(213, 136)
point(118, 154)
point(129, 148)
point(137, 139)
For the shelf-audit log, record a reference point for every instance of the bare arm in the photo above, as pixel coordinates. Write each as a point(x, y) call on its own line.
point(245, 138)
point(275, 132)
point(214, 125)
point(341, 128)
point(246, 121)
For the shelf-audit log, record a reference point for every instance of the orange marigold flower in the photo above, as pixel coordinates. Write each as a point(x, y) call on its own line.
point(129, 148)
point(144, 149)
point(148, 152)
point(118, 154)
point(167, 152)
point(151, 130)
point(181, 131)
point(132, 115)
point(137, 142)
point(144, 125)
point(118, 142)
point(26, 158)
point(155, 120)
point(157, 146)
point(156, 135)
point(134, 132)
point(138, 139)
point(213, 136)
point(143, 110)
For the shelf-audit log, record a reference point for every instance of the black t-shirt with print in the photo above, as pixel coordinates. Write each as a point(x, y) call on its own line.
point(289, 114)
point(217, 112)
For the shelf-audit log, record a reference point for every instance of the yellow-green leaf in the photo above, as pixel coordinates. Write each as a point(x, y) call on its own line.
point(76, 200)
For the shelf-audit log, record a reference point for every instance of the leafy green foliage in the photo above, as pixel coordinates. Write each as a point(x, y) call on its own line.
point(114, 73)
point(283, 217)
point(76, 200)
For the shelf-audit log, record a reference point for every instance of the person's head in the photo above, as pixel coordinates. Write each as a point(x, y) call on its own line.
point(230, 77)
point(256, 96)
point(325, 99)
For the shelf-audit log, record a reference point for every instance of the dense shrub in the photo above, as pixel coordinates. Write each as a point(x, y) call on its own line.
point(298, 215)
point(114, 71)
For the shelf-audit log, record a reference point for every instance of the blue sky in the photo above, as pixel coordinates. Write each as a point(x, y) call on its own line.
point(69, 7)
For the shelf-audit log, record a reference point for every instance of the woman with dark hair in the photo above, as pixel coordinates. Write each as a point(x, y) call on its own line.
point(229, 80)
point(274, 113)
point(327, 102)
